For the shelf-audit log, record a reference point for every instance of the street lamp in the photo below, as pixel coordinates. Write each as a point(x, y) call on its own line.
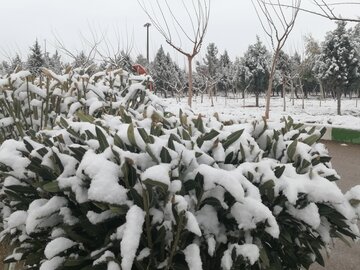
point(147, 25)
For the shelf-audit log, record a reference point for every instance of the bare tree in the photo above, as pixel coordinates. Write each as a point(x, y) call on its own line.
point(89, 56)
point(277, 22)
point(326, 9)
point(116, 54)
point(169, 25)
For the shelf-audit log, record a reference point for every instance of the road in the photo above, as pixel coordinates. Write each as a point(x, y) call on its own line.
point(346, 161)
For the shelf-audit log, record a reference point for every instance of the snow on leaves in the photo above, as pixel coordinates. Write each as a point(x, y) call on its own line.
point(145, 188)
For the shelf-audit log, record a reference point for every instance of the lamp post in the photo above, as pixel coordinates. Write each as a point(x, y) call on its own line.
point(147, 25)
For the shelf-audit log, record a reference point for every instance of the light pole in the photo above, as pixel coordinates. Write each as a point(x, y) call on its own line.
point(147, 25)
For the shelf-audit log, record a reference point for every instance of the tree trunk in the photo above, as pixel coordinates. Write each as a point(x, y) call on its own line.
point(190, 93)
point(292, 92)
point(270, 84)
point(257, 99)
point(303, 94)
point(283, 85)
point(283, 94)
point(338, 94)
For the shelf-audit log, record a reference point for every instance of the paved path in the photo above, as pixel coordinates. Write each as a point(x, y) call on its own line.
point(346, 161)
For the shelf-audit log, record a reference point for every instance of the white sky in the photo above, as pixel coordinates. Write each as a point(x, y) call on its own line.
point(233, 25)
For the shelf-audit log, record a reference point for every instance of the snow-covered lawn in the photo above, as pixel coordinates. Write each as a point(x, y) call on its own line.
point(314, 112)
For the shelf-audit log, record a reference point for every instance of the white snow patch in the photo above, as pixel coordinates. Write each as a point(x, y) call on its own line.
point(133, 229)
point(192, 257)
point(57, 246)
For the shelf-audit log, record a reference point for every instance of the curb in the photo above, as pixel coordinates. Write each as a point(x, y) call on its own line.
point(343, 135)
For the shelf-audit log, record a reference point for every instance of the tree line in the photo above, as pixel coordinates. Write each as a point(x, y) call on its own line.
point(330, 68)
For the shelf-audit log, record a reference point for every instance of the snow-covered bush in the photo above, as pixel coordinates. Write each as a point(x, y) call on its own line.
point(147, 189)
point(28, 103)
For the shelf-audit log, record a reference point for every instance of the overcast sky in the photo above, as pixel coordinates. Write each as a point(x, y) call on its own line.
point(233, 25)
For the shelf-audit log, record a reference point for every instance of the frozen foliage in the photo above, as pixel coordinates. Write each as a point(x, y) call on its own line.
point(30, 104)
point(140, 187)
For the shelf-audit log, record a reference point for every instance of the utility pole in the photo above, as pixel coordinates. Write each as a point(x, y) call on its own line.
point(147, 25)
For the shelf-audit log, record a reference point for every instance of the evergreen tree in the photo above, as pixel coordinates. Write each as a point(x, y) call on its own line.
point(224, 60)
point(16, 62)
point(242, 75)
point(355, 39)
point(338, 61)
point(257, 61)
point(312, 52)
point(35, 60)
point(4, 67)
point(211, 60)
point(226, 73)
point(164, 72)
point(55, 63)
point(81, 60)
point(283, 67)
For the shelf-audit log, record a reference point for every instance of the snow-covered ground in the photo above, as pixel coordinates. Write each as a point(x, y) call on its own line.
point(323, 113)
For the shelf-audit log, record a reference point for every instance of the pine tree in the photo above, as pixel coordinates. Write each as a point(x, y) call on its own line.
point(242, 75)
point(4, 68)
point(224, 60)
point(164, 72)
point(339, 64)
point(226, 72)
point(312, 52)
point(257, 61)
point(55, 63)
point(81, 60)
point(35, 60)
point(16, 62)
point(211, 60)
point(283, 67)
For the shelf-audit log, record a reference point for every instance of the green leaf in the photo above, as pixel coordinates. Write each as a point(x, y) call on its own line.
point(267, 189)
point(354, 202)
point(186, 135)
point(229, 158)
point(279, 170)
point(102, 139)
point(332, 178)
point(144, 135)
point(78, 151)
point(173, 138)
point(151, 154)
point(165, 156)
point(138, 200)
point(22, 189)
point(183, 119)
point(199, 124)
point(118, 142)
point(211, 201)
point(322, 132)
point(126, 118)
point(51, 187)
point(265, 262)
point(291, 150)
point(207, 137)
point(63, 123)
point(121, 210)
point(154, 183)
point(130, 176)
point(311, 139)
point(131, 134)
point(85, 117)
point(232, 138)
